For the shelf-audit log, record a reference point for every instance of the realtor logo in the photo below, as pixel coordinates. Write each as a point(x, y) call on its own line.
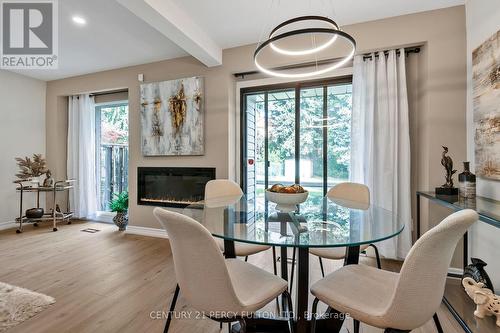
point(29, 34)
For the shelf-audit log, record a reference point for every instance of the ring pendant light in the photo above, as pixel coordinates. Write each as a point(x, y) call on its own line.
point(331, 23)
point(333, 32)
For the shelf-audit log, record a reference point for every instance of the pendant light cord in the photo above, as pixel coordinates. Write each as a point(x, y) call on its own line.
point(264, 27)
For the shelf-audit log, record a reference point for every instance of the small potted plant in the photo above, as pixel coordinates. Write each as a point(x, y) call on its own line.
point(120, 206)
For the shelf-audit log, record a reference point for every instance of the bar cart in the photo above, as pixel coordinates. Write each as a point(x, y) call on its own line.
point(54, 215)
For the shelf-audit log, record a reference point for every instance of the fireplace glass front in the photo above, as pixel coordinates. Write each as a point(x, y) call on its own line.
point(172, 186)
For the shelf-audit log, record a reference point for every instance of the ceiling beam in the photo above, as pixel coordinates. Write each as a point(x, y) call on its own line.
point(175, 24)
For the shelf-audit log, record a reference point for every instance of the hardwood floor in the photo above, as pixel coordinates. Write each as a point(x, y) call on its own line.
point(115, 282)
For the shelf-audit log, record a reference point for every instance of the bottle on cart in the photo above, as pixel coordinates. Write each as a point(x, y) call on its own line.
point(467, 183)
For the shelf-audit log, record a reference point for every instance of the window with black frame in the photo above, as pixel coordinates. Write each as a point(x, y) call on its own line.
point(296, 133)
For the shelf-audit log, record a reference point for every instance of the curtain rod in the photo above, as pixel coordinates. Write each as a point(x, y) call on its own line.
point(111, 92)
point(412, 49)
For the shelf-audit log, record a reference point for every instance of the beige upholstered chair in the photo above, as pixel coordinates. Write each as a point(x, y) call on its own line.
point(351, 195)
point(225, 188)
point(397, 302)
point(231, 289)
point(221, 188)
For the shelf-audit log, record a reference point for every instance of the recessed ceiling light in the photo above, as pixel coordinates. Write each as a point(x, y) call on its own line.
point(79, 20)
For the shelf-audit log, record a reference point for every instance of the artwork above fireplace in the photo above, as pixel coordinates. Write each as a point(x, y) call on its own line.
point(172, 117)
point(172, 186)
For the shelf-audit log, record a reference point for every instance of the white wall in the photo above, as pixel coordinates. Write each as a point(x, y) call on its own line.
point(483, 19)
point(22, 132)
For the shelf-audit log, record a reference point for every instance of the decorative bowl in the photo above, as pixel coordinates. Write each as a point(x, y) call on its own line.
point(286, 202)
point(34, 213)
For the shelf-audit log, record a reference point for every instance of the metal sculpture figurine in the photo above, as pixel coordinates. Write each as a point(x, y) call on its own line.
point(447, 188)
point(447, 162)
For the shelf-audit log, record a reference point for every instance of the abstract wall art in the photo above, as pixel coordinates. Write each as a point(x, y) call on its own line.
point(486, 101)
point(172, 117)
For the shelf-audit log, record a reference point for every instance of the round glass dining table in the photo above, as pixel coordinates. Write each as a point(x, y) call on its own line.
point(319, 222)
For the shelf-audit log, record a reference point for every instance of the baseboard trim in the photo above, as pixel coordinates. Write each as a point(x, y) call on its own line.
point(144, 231)
point(7, 225)
point(455, 271)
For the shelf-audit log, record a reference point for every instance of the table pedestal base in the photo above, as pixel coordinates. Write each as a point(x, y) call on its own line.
point(280, 325)
point(333, 320)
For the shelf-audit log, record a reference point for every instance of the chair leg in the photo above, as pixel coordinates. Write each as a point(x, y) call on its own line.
point(321, 266)
point(246, 258)
point(377, 256)
point(438, 323)
point(356, 326)
point(172, 308)
point(291, 323)
point(275, 268)
point(314, 312)
point(293, 268)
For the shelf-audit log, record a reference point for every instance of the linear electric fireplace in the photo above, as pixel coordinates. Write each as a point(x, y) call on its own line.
point(172, 187)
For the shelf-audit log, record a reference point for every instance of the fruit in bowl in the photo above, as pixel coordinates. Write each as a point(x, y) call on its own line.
point(279, 188)
point(286, 197)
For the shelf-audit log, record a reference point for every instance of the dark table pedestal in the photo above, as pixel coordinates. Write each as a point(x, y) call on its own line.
point(331, 322)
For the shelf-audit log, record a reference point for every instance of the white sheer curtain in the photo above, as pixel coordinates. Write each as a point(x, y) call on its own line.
point(380, 143)
point(81, 163)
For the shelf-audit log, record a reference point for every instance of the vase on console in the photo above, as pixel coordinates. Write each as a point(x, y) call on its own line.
point(467, 183)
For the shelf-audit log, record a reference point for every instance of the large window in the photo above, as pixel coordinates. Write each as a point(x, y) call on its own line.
point(112, 151)
point(296, 133)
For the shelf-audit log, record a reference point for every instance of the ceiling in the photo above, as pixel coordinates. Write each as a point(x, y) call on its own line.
point(244, 21)
point(114, 37)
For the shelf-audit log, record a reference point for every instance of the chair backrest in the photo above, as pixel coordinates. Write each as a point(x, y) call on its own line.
point(200, 268)
point(422, 278)
point(351, 192)
point(221, 188)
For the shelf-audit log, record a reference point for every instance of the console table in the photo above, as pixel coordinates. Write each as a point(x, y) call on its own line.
point(455, 298)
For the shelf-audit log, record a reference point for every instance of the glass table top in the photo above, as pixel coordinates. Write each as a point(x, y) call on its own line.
point(488, 209)
point(322, 222)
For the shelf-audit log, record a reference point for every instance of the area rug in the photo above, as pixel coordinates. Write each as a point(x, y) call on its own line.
point(19, 304)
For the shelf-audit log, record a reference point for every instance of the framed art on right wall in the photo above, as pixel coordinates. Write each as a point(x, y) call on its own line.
point(486, 100)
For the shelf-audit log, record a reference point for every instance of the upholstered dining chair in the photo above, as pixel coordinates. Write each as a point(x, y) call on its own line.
point(219, 188)
point(347, 194)
point(397, 302)
point(225, 290)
